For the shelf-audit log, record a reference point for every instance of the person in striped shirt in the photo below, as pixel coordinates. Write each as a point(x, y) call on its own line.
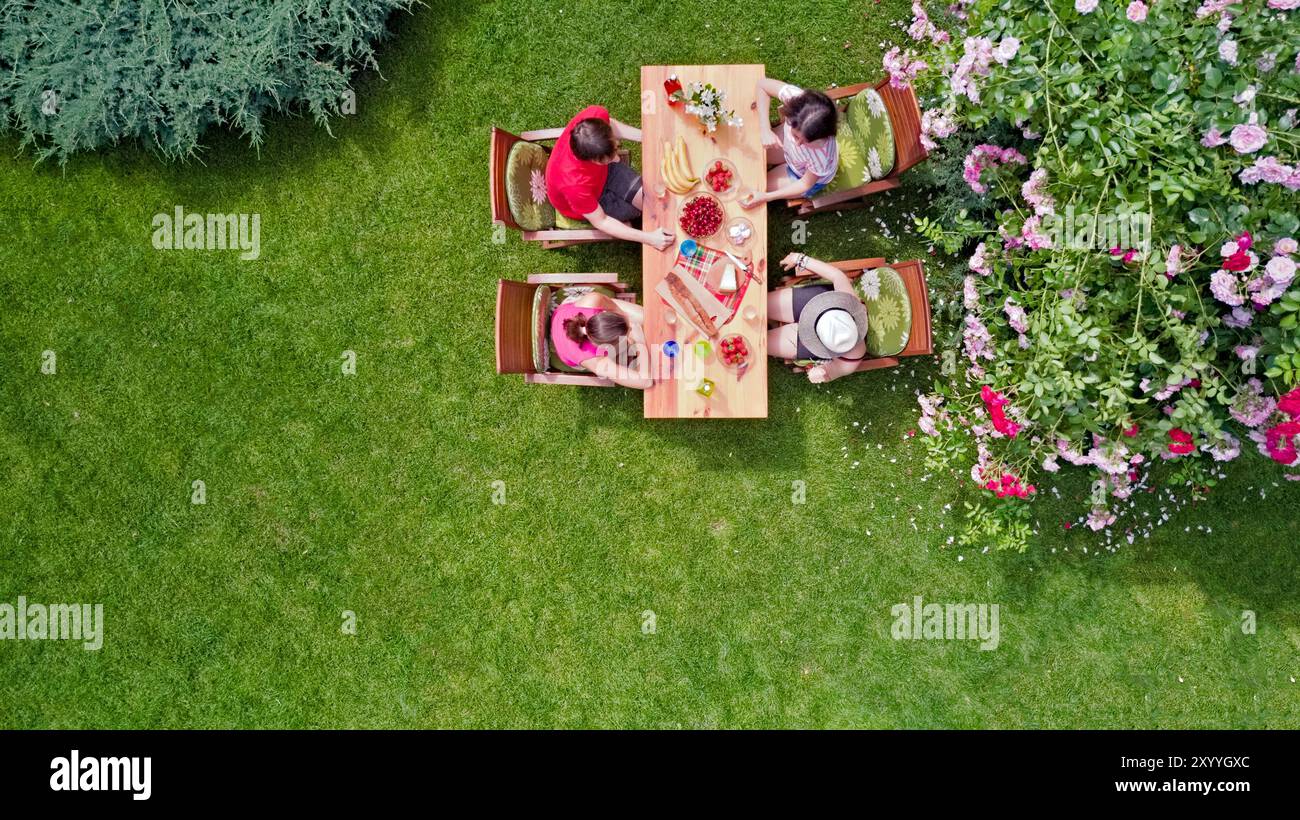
point(804, 155)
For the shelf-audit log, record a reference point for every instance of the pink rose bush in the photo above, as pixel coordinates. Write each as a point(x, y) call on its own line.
point(1128, 302)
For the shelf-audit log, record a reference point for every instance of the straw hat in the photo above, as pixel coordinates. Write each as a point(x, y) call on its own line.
point(832, 323)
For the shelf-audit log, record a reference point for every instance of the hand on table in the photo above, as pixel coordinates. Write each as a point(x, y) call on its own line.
point(752, 199)
point(770, 139)
point(660, 239)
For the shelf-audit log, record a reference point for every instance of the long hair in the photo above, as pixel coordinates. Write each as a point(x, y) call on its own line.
point(604, 328)
point(813, 115)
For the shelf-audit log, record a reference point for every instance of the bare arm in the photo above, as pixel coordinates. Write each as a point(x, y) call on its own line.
point(624, 131)
point(796, 187)
point(637, 376)
point(800, 262)
point(771, 87)
point(830, 273)
point(602, 221)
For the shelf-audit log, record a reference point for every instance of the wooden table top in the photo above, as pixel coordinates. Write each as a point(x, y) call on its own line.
point(676, 397)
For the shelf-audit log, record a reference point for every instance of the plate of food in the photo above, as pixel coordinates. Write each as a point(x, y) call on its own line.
point(721, 179)
point(701, 216)
point(734, 352)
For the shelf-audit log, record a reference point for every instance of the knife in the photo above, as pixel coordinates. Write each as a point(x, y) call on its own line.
point(746, 268)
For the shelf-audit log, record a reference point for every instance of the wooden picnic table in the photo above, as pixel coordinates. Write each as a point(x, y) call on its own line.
point(733, 397)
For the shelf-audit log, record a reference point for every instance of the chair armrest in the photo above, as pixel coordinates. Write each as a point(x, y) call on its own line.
point(573, 279)
point(542, 134)
point(574, 379)
point(848, 90)
point(876, 364)
point(852, 267)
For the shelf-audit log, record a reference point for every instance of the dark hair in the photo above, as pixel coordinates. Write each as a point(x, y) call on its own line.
point(592, 139)
point(813, 115)
point(604, 328)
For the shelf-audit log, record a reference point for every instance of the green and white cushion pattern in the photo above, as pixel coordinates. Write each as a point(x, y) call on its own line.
point(889, 311)
point(565, 224)
point(853, 160)
point(875, 134)
point(541, 324)
point(526, 187)
point(866, 142)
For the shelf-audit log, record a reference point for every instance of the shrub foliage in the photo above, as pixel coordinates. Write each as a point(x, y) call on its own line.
point(75, 76)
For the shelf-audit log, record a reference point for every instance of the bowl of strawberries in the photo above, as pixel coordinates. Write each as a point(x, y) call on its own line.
point(721, 178)
point(733, 351)
point(701, 216)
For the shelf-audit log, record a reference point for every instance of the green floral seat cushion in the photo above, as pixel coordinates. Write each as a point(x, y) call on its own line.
point(565, 224)
point(526, 187)
point(853, 160)
point(541, 324)
point(866, 143)
point(889, 311)
point(870, 122)
point(559, 296)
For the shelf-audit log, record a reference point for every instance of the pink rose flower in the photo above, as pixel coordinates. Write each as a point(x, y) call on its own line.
point(1137, 11)
point(1085, 6)
point(1228, 51)
point(1248, 137)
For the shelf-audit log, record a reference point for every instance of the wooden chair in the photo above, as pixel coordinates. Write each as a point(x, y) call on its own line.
point(920, 341)
point(514, 325)
point(905, 119)
point(499, 151)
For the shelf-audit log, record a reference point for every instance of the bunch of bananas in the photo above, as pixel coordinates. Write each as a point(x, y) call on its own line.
point(678, 175)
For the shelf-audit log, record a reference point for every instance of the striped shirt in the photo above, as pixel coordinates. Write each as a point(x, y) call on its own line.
point(821, 157)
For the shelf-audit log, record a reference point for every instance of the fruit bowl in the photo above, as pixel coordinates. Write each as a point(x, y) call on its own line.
point(734, 351)
point(721, 179)
point(701, 216)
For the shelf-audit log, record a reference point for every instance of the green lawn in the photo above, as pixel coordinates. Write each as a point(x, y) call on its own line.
point(372, 493)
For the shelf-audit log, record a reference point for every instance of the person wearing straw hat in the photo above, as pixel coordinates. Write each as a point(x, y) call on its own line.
point(822, 322)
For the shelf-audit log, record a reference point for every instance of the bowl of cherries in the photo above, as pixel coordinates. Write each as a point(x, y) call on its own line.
point(701, 216)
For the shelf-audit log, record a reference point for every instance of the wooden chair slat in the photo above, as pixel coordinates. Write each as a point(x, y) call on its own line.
point(497, 154)
point(514, 331)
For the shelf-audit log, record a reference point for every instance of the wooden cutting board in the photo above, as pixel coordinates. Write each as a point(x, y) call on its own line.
point(707, 301)
point(714, 277)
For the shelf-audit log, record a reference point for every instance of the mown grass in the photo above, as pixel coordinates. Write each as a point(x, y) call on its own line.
point(372, 493)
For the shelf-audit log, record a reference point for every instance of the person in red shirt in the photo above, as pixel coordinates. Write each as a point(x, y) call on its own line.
point(585, 178)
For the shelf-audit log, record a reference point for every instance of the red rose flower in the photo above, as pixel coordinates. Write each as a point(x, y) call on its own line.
point(1280, 441)
point(1238, 262)
point(994, 402)
point(1180, 442)
point(1290, 404)
point(1130, 432)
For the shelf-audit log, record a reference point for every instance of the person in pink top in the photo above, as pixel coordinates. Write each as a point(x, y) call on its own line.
point(804, 156)
point(605, 337)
